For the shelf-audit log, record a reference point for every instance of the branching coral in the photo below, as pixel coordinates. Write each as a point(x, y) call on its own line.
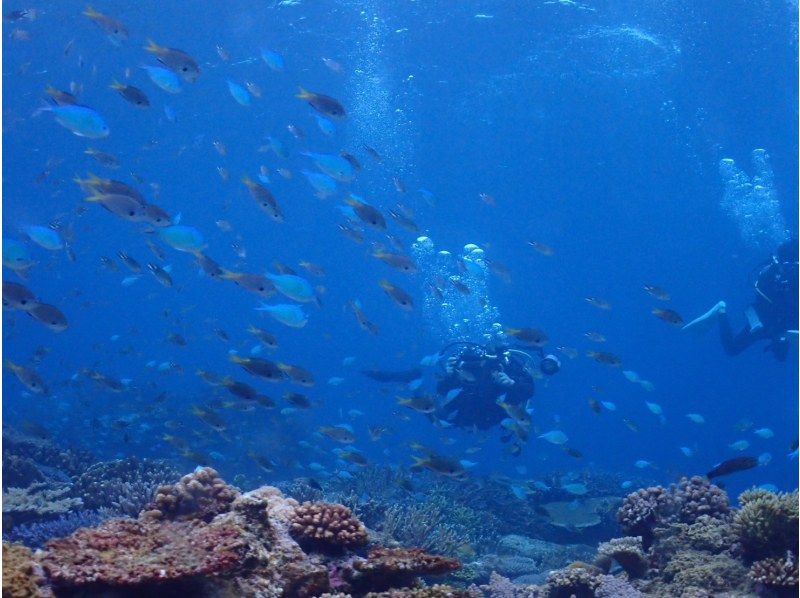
point(767, 523)
point(39, 500)
point(777, 574)
point(693, 569)
point(198, 495)
point(327, 526)
point(627, 552)
point(20, 472)
point(126, 485)
point(34, 535)
point(22, 575)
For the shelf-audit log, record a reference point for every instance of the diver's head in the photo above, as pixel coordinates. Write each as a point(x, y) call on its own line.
point(787, 251)
point(549, 365)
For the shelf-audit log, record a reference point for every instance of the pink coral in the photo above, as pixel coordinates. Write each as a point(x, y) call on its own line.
point(386, 568)
point(129, 552)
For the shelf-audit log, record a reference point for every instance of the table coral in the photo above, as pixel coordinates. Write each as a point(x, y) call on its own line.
point(39, 500)
point(386, 568)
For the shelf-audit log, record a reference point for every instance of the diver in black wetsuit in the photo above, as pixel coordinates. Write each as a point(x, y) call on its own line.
point(773, 314)
point(476, 377)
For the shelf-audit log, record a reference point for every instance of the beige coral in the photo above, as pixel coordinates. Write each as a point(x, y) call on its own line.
point(201, 494)
point(327, 525)
point(22, 575)
point(767, 523)
point(776, 573)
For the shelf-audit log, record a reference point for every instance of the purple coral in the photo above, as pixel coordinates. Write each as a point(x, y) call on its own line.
point(642, 510)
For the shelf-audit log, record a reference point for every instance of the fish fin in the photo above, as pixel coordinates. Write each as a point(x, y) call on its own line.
point(116, 85)
point(153, 47)
point(236, 359)
point(303, 94)
point(229, 274)
point(91, 12)
point(94, 197)
point(247, 180)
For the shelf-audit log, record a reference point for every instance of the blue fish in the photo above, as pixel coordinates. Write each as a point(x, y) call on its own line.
point(289, 315)
point(554, 437)
point(45, 237)
point(293, 286)
point(322, 183)
point(239, 93)
point(163, 78)
point(273, 59)
point(16, 256)
point(325, 125)
point(182, 237)
point(81, 120)
point(334, 166)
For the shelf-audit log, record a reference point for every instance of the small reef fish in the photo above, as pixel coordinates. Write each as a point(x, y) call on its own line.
point(114, 28)
point(325, 105)
point(342, 433)
point(730, 466)
point(289, 315)
point(696, 418)
point(598, 302)
point(177, 61)
point(764, 433)
point(554, 437)
point(657, 292)
point(669, 316)
point(529, 336)
point(132, 94)
point(396, 294)
point(740, 445)
point(605, 358)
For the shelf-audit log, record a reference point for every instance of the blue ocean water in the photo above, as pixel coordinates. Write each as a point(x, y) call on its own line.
point(596, 128)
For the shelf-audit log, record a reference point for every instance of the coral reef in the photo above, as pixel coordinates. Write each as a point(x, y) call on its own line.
point(198, 495)
point(129, 552)
point(625, 551)
point(39, 500)
point(45, 454)
point(690, 570)
point(502, 587)
point(202, 537)
point(779, 575)
point(615, 587)
point(36, 534)
point(386, 568)
point(126, 485)
point(576, 581)
point(327, 526)
point(767, 523)
point(20, 472)
point(22, 575)
point(697, 496)
point(642, 510)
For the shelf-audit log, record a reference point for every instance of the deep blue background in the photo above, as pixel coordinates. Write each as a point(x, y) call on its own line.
point(592, 140)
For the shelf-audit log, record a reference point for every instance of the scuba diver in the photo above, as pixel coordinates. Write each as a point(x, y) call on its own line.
point(482, 387)
point(773, 314)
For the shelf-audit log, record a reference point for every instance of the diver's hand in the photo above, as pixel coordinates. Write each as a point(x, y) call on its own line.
point(502, 379)
point(450, 364)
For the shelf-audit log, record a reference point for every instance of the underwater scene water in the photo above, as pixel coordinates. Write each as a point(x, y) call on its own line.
point(411, 298)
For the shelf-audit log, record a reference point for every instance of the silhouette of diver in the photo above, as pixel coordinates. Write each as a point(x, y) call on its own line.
point(773, 314)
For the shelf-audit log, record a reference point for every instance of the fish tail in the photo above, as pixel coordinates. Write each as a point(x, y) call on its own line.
point(91, 12)
point(229, 274)
point(419, 462)
point(11, 365)
point(303, 94)
point(94, 198)
point(153, 47)
point(116, 85)
point(236, 359)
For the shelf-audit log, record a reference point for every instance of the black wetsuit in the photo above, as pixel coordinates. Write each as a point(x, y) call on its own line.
point(476, 404)
point(776, 307)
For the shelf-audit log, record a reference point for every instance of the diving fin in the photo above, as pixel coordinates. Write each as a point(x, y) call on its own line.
point(702, 323)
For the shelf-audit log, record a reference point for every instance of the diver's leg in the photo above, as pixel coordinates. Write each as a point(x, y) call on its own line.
point(734, 344)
